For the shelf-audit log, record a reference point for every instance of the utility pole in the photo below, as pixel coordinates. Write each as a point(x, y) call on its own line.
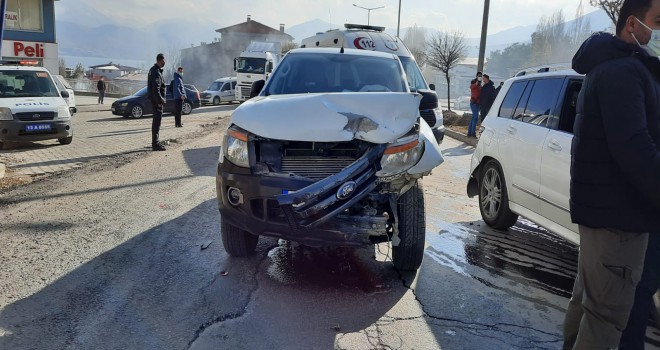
point(484, 34)
point(3, 7)
point(369, 11)
point(398, 22)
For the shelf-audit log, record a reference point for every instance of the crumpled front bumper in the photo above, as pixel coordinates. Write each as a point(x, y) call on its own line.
point(300, 209)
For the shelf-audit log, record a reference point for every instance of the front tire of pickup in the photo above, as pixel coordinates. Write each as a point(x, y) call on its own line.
point(237, 242)
point(407, 256)
point(65, 140)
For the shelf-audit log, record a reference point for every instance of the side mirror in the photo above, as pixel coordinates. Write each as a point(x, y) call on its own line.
point(64, 94)
point(235, 64)
point(269, 66)
point(432, 87)
point(256, 88)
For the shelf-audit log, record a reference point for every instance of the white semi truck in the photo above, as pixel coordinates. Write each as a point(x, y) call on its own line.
point(255, 63)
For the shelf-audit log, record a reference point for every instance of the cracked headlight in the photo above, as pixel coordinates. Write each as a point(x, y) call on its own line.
point(235, 147)
point(400, 156)
point(5, 114)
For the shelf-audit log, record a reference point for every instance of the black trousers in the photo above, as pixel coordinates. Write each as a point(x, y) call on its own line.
point(635, 333)
point(155, 123)
point(178, 106)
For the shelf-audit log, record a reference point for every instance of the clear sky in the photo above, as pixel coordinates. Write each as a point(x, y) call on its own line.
point(461, 15)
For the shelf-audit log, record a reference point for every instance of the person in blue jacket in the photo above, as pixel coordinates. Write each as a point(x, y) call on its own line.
point(179, 94)
point(615, 173)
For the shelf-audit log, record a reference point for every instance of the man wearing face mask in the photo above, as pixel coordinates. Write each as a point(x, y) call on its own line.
point(615, 173)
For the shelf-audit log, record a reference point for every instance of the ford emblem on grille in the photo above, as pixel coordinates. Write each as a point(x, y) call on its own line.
point(346, 190)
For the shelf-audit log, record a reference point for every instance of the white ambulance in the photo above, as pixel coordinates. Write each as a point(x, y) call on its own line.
point(31, 107)
point(364, 37)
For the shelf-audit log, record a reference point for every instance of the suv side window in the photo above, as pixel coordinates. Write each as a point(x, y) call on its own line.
point(511, 99)
point(540, 109)
point(519, 114)
point(568, 111)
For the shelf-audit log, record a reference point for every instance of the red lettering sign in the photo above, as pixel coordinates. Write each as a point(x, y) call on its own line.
point(20, 50)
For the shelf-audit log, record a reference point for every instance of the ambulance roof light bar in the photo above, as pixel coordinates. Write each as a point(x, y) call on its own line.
point(365, 27)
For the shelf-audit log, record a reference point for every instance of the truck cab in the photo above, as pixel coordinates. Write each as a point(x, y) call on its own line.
point(255, 63)
point(373, 38)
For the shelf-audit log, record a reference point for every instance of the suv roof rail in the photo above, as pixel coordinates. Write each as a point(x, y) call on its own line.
point(544, 68)
point(365, 27)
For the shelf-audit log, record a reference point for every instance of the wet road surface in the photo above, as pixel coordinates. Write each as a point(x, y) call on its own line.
point(128, 256)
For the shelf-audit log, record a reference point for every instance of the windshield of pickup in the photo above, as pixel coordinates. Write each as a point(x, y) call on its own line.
point(26, 83)
point(251, 65)
point(329, 72)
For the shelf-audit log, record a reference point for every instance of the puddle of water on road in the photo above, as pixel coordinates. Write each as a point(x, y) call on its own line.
point(325, 267)
point(525, 254)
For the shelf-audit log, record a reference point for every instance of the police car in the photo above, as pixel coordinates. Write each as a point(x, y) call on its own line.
point(31, 107)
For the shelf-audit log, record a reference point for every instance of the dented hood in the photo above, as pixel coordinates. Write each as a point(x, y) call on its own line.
point(373, 117)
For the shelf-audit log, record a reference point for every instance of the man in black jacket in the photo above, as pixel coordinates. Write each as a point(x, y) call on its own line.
point(487, 96)
point(615, 174)
point(156, 93)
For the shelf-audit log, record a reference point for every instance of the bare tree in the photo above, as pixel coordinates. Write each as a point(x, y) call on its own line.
point(288, 46)
point(611, 7)
point(172, 59)
point(62, 68)
point(415, 40)
point(445, 51)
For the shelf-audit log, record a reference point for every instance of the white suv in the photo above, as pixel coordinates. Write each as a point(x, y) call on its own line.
point(521, 165)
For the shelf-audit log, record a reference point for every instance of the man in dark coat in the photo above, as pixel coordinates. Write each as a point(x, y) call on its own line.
point(487, 96)
point(156, 93)
point(615, 174)
point(100, 86)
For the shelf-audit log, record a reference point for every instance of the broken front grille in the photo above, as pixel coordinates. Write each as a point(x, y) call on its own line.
point(315, 168)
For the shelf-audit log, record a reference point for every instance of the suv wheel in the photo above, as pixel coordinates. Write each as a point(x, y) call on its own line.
point(186, 108)
point(65, 140)
point(216, 100)
point(137, 111)
point(408, 254)
point(493, 197)
point(237, 242)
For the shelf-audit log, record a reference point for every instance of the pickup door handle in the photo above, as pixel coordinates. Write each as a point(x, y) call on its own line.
point(511, 129)
point(555, 146)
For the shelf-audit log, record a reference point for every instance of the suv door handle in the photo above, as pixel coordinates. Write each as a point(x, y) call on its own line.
point(554, 145)
point(511, 129)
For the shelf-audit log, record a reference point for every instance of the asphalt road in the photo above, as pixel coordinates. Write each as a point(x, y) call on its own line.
point(125, 253)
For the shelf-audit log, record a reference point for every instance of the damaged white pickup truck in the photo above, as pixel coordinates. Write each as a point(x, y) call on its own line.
point(331, 152)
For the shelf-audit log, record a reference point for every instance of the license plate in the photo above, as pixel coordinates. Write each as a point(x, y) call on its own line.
point(37, 127)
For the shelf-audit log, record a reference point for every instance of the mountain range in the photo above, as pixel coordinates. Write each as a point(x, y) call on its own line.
point(87, 35)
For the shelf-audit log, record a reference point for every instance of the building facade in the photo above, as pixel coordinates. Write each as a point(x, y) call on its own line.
point(207, 62)
point(29, 33)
